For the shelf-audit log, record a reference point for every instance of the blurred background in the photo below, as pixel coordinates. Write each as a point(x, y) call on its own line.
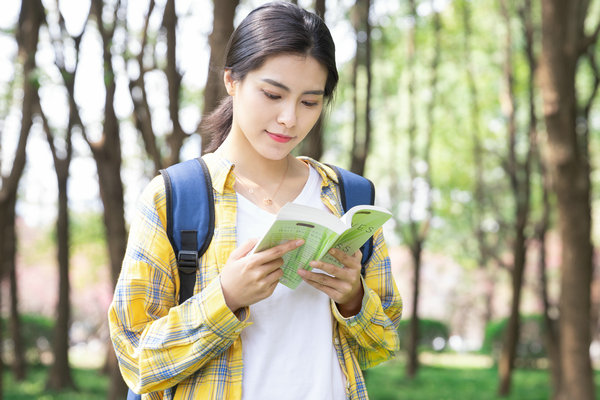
point(478, 122)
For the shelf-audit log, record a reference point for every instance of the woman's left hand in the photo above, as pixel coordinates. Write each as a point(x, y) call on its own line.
point(343, 286)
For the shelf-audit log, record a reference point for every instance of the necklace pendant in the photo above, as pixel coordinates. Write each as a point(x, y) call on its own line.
point(267, 201)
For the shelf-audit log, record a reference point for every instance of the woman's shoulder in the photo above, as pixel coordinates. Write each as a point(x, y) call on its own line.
point(325, 170)
point(153, 196)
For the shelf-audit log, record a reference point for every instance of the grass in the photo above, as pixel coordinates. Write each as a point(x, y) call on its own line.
point(433, 382)
point(441, 381)
point(91, 385)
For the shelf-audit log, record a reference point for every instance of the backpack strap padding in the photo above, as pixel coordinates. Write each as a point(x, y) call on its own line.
point(190, 217)
point(356, 190)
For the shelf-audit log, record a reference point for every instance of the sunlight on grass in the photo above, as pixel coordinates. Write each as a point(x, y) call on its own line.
point(464, 360)
point(465, 378)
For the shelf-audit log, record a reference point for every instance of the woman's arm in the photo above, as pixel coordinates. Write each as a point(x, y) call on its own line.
point(158, 343)
point(373, 332)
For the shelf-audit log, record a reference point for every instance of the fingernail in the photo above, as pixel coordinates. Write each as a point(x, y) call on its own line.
point(313, 264)
point(299, 242)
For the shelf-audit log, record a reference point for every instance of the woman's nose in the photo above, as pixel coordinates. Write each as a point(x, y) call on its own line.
point(287, 115)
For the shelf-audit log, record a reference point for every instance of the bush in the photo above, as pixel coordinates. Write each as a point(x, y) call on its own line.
point(530, 348)
point(36, 332)
point(429, 331)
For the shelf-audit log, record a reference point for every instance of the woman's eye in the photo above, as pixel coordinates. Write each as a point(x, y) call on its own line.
point(271, 95)
point(310, 103)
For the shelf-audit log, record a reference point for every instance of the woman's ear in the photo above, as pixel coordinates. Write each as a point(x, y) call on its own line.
point(229, 82)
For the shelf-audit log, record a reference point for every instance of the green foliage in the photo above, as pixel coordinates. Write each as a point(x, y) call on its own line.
point(87, 228)
point(36, 332)
point(88, 237)
point(429, 330)
point(530, 347)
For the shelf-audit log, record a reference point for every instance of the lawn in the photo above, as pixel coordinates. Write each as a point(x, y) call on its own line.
point(91, 385)
point(442, 381)
point(385, 382)
point(389, 382)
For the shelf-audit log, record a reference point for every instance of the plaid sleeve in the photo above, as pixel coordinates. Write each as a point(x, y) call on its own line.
point(373, 332)
point(157, 342)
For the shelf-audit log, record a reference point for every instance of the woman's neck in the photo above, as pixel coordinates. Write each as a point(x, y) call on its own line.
point(251, 164)
point(268, 183)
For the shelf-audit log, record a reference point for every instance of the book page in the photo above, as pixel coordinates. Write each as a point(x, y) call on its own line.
point(364, 221)
point(318, 228)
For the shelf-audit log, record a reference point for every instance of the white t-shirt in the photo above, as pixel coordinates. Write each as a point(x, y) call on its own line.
point(288, 350)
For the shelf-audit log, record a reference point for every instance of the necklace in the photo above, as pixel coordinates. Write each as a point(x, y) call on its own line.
point(267, 200)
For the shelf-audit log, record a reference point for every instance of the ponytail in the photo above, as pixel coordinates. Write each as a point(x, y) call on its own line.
point(217, 124)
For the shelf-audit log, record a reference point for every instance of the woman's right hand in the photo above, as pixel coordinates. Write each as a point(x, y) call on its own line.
point(249, 278)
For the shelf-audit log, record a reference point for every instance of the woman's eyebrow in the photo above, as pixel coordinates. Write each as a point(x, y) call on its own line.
point(287, 89)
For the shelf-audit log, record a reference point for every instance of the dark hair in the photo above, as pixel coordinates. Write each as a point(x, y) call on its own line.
point(269, 30)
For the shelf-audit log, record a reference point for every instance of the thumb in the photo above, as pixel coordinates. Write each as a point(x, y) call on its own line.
point(243, 250)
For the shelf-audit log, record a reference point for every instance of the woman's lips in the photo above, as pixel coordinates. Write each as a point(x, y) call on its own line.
point(279, 138)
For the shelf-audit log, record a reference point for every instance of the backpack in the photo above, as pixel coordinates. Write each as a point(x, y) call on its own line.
point(190, 231)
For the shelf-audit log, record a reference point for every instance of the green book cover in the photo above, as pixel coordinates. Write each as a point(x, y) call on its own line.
point(321, 231)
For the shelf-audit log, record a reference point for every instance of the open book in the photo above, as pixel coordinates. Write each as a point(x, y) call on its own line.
point(321, 231)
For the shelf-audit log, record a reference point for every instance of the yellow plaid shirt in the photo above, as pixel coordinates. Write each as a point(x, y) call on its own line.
point(196, 345)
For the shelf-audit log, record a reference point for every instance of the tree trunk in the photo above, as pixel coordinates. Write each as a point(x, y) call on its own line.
point(518, 172)
point(177, 136)
point(361, 136)
point(312, 146)
point(16, 333)
point(320, 8)
point(31, 17)
point(479, 192)
point(412, 363)
point(551, 332)
point(214, 90)
point(139, 96)
point(563, 42)
point(60, 373)
point(541, 228)
point(107, 155)
point(60, 376)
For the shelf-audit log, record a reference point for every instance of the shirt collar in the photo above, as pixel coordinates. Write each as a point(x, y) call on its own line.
point(326, 172)
point(221, 171)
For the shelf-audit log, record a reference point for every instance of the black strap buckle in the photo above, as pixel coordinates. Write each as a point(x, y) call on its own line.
point(187, 261)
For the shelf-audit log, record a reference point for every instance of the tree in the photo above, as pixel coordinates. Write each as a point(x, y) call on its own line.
point(107, 155)
point(60, 373)
point(564, 43)
point(312, 145)
point(486, 252)
point(214, 90)
point(137, 86)
point(62, 152)
point(518, 167)
point(421, 186)
point(361, 81)
point(31, 17)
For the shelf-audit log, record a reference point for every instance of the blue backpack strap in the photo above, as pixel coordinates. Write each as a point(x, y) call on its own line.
point(190, 222)
point(356, 190)
point(131, 395)
point(190, 217)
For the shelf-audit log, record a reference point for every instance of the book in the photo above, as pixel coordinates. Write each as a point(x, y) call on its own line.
point(320, 231)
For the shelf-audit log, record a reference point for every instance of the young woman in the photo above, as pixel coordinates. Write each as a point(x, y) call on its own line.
point(242, 335)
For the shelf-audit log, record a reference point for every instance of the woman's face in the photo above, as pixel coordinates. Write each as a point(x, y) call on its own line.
point(276, 105)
